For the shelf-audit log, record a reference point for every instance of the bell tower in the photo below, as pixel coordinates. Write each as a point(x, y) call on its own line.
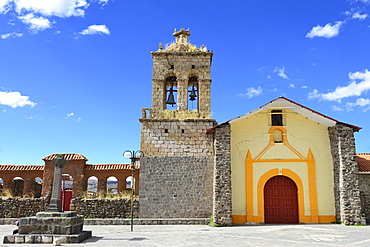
point(181, 80)
point(177, 168)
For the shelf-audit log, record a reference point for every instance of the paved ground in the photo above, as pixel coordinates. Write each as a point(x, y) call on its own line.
point(196, 235)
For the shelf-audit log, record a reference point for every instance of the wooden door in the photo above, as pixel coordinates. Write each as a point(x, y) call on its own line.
point(281, 201)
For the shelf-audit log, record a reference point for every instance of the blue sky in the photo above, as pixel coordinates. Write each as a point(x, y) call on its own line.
point(74, 74)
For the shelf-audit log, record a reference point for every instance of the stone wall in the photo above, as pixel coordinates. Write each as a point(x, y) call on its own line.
point(346, 186)
point(20, 207)
point(104, 208)
point(176, 187)
point(364, 181)
point(222, 204)
point(171, 137)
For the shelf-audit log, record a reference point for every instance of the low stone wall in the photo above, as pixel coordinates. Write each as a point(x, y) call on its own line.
point(104, 208)
point(20, 207)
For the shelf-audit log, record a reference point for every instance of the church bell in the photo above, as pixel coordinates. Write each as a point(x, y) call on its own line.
point(171, 98)
point(192, 95)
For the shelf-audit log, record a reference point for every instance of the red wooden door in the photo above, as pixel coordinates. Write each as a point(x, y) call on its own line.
point(65, 199)
point(281, 201)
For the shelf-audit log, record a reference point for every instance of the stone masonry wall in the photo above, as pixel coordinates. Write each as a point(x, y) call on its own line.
point(104, 208)
point(21, 207)
point(364, 181)
point(176, 187)
point(346, 186)
point(171, 137)
point(222, 204)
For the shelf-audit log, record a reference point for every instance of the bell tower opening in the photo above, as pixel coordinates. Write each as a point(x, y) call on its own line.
point(171, 93)
point(193, 93)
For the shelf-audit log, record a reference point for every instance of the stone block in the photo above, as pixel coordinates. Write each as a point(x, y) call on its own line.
point(19, 239)
point(9, 239)
point(29, 239)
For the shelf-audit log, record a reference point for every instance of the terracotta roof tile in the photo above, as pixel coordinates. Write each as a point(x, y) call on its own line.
point(18, 168)
point(363, 160)
point(67, 157)
point(107, 167)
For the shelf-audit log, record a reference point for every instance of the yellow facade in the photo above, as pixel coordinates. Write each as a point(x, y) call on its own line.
point(300, 150)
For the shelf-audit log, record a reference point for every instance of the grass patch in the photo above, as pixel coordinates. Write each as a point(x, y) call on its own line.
point(212, 221)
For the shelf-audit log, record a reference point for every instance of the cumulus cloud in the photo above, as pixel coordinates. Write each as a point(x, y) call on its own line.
point(327, 31)
point(360, 83)
point(35, 24)
point(11, 35)
point(60, 8)
point(364, 104)
point(337, 108)
point(357, 15)
point(95, 29)
point(251, 92)
point(4, 6)
point(38, 14)
point(15, 99)
point(281, 72)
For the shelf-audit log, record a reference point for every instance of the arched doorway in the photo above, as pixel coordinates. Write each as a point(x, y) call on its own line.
point(281, 201)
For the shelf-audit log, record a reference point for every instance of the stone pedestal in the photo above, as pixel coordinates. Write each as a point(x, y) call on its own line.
point(46, 227)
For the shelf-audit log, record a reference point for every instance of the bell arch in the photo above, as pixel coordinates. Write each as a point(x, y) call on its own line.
point(193, 93)
point(170, 96)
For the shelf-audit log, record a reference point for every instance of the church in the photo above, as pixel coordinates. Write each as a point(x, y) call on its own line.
point(282, 163)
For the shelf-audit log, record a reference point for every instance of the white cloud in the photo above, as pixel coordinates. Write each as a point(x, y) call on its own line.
point(328, 31)
point(60, 8)
point(314, 94)
point(103, 2)
point(360, 102)
point(357, 15)
point(73, 117)
point(95, 29)
point(15, 99)
point(353, 88)
point(281, 72)
point(38, 14)
point(337, 108)
point(11, 35)
point(4, 6)
point(291, 85)
point(36, 24)
point(251, 92)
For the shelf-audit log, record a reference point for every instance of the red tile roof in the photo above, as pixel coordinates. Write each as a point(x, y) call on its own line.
point(107, 167)
point(19, 168)
point(363, 160)
point(67, 157)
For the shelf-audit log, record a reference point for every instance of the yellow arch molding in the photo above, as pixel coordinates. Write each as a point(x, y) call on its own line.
point(310, 161)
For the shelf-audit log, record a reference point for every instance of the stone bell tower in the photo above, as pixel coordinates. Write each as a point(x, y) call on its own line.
point(176, 172)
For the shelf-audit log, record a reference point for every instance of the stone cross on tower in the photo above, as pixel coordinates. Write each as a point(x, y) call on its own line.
point(59, 163)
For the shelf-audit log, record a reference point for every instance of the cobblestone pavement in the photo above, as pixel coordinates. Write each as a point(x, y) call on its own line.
point(198, 235)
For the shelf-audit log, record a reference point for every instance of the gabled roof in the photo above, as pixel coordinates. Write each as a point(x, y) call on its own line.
point(284, 103)
point(108, 167)
point(19, 168)
point(67, 157)
point(363, 161)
